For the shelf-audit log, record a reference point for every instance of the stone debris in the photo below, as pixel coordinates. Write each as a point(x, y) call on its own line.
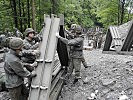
point(123, 97)
point(93, 95)
point(107, 82)
point(109, 74)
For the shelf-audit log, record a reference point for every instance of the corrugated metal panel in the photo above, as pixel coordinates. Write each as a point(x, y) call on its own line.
point(115, 36)
point(34, 91)
point(128, 41)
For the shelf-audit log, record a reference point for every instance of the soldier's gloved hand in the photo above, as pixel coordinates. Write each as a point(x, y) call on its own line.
point(57, 35)
point(37, 44)
point(35, 64)
point(33, 74)
point(37, 53)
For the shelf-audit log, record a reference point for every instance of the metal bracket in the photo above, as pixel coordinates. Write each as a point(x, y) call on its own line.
point(39, 60)
point(48, 60)
point(34, 86)
point(43, 87)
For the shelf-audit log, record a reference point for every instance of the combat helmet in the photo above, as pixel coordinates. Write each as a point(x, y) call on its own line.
point(29, 30)
point(78, 29)
point(16, 43)
point(73, 26)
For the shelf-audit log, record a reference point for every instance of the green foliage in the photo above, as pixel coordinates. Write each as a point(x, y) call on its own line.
point(6, 21)
point(87, 13)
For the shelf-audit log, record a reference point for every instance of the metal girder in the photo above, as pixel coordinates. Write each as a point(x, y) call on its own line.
point(112, 36)
point(128, 42)
point(49, 61)
point(40, 86)
point(107, 41)
point(35, 85)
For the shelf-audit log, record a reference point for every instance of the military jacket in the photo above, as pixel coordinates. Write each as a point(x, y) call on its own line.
point(77, 46)
point(30, 44)
point(14, 70)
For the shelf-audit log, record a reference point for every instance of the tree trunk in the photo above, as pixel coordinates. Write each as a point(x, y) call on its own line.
point(20, 17)
point(33, 15)
point(28, 10)
point(40, 21)
point(122, 10)
point(53, 6)
point(24, 17)
point(118, 12)
point(13, 5)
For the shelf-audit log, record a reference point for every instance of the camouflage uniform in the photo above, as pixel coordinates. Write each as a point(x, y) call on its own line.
point(71, 35)
point(30, 44)
point(76, 54)
point(15, 72)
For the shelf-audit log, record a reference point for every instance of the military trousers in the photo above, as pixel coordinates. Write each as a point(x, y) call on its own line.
point(75, 63)
point(19, 93)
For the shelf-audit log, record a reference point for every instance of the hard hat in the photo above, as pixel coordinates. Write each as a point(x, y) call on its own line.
point(29, 30)
point(16, 43)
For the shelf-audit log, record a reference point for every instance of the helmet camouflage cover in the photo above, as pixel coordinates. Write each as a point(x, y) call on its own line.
point(78, 29)
point(29, 30)
point(16, 43)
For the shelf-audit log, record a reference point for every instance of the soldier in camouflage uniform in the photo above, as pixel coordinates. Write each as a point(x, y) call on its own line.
point(18, 33)
point(29, 42)
point(71, 35)
point(76, 54)
point(15, 72)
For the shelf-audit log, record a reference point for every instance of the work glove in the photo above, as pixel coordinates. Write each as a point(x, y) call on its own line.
point(57, 35)
point(35, 64)
point(36, 45)
point(33, 74)
point(36, 53)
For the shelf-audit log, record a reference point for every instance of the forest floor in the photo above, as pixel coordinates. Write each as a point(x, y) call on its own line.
point(111, 75)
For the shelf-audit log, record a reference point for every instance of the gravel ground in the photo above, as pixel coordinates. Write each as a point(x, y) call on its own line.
point(111, 75)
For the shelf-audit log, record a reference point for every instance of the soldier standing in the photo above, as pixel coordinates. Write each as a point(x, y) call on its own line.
point(15, 72)
point(71, 35)
point(76, 54)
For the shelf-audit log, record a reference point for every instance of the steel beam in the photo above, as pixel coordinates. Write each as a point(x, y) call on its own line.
point(34, 91)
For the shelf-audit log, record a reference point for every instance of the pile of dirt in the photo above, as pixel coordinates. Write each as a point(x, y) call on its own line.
point(110, 75)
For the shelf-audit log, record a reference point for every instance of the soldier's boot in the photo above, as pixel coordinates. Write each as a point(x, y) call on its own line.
point(85, 64)
point(76, 79)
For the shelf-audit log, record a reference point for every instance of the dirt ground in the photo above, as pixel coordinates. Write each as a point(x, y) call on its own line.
point(111, 75)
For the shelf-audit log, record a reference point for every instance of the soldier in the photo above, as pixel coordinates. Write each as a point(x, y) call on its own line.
point(71, 35)
point(15, 71)
point(7, 32)
point(76, 54)
point(71, 32)
point(29, 42)
point(18, 33)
